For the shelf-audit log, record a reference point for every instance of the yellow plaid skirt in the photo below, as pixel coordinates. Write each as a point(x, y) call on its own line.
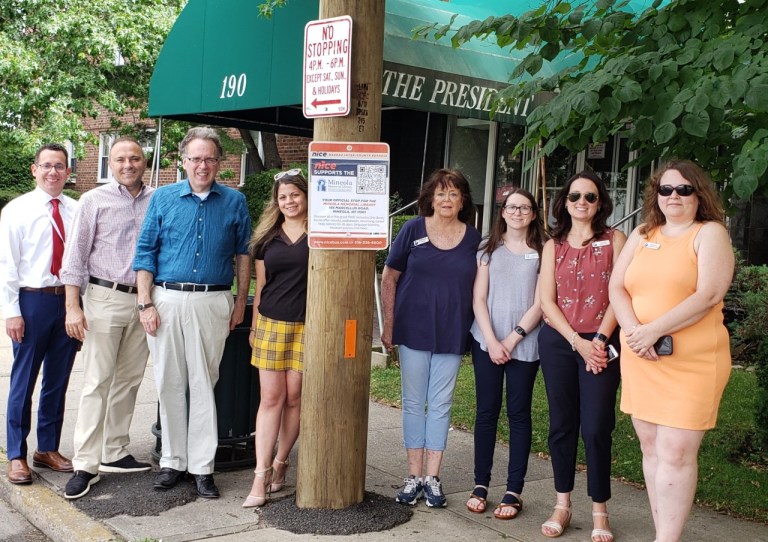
point(277, 345)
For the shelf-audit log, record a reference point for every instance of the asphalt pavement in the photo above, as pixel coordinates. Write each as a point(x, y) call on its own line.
point(42, 503)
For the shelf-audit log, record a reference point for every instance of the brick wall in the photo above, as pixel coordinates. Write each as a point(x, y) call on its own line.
point(292, 149)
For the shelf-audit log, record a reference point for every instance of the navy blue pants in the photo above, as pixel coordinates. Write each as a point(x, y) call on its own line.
point(579, 399)
point(489, 384)
point(45, 344)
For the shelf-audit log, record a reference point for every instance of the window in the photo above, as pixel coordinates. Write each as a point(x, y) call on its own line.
point(72, 161)
point(105, 143)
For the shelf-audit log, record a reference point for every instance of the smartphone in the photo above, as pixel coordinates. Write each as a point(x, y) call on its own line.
point(612, 353)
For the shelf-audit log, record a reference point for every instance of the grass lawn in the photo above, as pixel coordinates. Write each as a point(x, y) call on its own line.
point(730, 479)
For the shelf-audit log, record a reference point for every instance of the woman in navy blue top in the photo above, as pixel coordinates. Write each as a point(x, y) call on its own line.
point(427, 298)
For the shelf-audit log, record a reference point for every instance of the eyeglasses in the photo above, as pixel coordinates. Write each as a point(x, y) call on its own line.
point(290, 173)
point(208, 161)
point(45, 168)
point(512, 209)
point(681, 189)
point(591, 197)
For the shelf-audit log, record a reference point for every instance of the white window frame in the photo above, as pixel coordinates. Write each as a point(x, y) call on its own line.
point(105, 143)
point(72, 161)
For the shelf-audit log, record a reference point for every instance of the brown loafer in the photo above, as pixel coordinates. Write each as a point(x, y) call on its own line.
point(18, 472)
point(51, 460)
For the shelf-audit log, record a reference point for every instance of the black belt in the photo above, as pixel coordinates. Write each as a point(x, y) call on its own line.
point(113, 285)
point(192, 287)
point(55, 290)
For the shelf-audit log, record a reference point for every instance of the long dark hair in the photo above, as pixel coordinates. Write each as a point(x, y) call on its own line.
point(563, 218)
point(443, 178)
point(534, 237)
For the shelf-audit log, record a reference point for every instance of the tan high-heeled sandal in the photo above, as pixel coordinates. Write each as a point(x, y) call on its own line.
point(559, 528)
point(252, 501)
point(278, 485)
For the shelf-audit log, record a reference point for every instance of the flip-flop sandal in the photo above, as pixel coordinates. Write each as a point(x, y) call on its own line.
point(483, 491)
point(508, 501)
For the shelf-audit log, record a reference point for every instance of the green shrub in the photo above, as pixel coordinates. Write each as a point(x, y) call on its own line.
point(15, 173)
point(258, 189)
point(747, 303)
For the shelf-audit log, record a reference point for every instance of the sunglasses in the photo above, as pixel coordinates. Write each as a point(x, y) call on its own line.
point(591, 197)
point(295, 172)
point(681, 189)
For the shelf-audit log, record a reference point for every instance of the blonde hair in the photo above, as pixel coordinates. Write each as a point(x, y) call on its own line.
point(271, 218)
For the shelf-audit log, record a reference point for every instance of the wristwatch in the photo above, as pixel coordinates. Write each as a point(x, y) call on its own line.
point(520, 331)
point(142, 306)
point(600, 337)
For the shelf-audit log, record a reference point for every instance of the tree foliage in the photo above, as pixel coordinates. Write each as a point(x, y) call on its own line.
point(689, 77)
point(61, 60)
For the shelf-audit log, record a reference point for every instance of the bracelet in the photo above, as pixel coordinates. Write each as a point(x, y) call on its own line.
point(600, 337)
point(573, 340)
point(633, 328)
point(253, 329)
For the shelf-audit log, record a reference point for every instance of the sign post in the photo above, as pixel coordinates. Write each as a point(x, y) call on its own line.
point(339, 322)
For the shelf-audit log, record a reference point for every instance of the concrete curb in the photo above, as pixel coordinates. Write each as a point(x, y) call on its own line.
point(48, 512)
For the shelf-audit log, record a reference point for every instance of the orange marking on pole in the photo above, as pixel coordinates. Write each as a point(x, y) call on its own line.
point(350, 338)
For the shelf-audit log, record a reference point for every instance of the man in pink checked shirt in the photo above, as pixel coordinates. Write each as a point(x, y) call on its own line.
point(98, 261)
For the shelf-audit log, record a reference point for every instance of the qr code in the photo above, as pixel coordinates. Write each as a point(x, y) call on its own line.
point(372, 179)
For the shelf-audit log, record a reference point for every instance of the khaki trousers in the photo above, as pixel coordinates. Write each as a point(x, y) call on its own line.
point(186, 354)
point(115, 355)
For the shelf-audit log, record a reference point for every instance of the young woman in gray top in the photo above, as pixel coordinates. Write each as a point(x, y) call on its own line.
point(507, 319)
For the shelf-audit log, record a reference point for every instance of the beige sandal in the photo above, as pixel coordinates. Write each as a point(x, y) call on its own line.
point(252, 501)
point(278, 485)
point(597, 532)
point(555, 526)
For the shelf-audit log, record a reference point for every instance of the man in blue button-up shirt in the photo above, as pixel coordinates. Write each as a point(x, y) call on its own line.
point(184, 261)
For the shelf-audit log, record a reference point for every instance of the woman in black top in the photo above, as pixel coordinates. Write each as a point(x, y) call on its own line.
point(279, 246)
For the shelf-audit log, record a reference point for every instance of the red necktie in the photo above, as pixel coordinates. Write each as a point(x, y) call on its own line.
point(58, 238)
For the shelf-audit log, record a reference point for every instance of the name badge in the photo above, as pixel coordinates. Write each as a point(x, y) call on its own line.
point(652, 246)
point(532, 256)
point(603, 243)
point(421, 241)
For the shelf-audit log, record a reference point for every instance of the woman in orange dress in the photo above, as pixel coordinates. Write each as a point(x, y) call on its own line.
point(670, 279)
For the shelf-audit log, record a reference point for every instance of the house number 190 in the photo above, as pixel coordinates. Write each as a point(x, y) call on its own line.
point(233, 84)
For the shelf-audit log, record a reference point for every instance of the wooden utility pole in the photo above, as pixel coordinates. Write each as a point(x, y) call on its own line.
point(334, 403)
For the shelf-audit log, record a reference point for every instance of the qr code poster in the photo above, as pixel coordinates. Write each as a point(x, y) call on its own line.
point(372, 179)
point(348, 195)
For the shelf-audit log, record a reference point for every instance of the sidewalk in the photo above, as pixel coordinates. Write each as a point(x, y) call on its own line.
point(223, 520)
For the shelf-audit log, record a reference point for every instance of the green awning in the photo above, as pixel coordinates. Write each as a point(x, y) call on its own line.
point(224, 64)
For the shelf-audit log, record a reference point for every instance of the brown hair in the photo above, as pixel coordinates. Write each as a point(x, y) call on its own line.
point(563, 218)
point(55, 147)
point(443, 178)
point(271, 218)
point(535, 235)
point(710, 205)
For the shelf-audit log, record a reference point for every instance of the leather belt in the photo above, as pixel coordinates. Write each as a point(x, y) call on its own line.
point(113, 285)
point(192, 287)
point(55, 290)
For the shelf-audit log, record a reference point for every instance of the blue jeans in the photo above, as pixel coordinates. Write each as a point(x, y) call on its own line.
point(489, 383)
point(427, 378)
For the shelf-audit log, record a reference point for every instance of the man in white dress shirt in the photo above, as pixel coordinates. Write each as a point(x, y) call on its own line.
point(33, 230)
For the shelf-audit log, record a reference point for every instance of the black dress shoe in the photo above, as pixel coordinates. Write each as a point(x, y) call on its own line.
point(205, 486)
point(168, 477)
